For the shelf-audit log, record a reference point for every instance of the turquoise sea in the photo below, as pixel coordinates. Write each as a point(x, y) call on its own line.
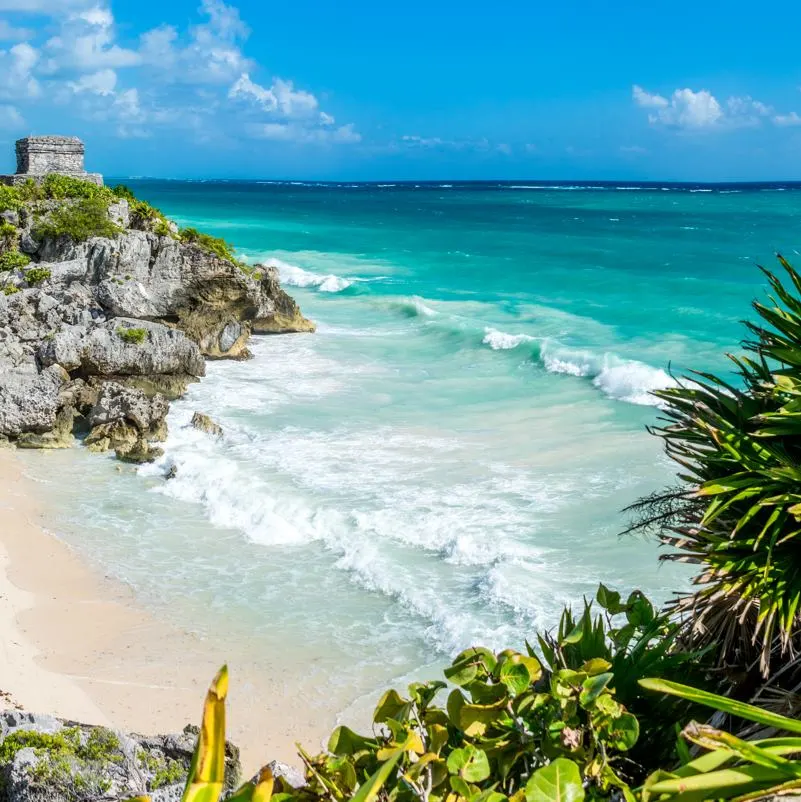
point(445, 461)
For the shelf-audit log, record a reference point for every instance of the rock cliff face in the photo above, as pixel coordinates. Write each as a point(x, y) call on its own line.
point(44, 759)
point(96, 334)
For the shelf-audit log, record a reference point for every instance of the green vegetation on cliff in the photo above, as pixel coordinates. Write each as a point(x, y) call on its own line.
point(133, 336)
point(13, 260)
point(84, 218)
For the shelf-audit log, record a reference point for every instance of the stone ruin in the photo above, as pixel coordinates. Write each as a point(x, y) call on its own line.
point(37, 156)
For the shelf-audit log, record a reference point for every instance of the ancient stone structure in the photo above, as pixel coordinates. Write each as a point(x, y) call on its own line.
point(39, 155)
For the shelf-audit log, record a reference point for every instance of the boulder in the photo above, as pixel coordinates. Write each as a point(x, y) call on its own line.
point(29, 401)
point(204, 423)
point(117, 402)
point(127, 420)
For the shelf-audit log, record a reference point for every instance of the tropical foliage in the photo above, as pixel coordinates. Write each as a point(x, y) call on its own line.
point(516, 743)
point(737, 512)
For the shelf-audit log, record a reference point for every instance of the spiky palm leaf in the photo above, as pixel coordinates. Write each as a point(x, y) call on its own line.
point(737, 514)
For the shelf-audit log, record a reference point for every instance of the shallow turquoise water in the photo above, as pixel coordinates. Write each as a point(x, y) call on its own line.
point(445, 461)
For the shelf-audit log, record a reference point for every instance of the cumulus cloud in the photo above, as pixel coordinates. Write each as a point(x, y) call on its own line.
point(688, 109)
point(86, 41)
point(17, 80)
point(684, 108)
point(281, 97)
point(178, 77)
point(211, 52)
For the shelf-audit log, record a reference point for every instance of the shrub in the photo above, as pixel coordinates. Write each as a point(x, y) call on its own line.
point(13, 260)
point(123, 193)
point(216, 245)
point(60, 187)
point(737, 512)
point(9, 198)
point(132, 335)
point(10, 289)
point(8, 234)
point(36, 275)
point(86, 217)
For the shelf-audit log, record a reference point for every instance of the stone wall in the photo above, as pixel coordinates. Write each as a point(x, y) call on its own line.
point(50, 154)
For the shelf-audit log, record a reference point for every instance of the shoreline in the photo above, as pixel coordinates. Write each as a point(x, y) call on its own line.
point(74, 644)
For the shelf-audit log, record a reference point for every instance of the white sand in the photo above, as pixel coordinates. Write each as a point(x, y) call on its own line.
point(73, 644)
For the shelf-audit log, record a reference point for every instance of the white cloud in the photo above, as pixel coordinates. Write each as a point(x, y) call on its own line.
point(16, 72)
point(634, 149)
point(212, 54)
point(182, 78)
point(85, 41)
point(8, 33)
point(787, 120)
point(647, 100)
point(281, 97)
point(504, 148)
point(687, 109)
point(10, 117)
point(102, 82)
point(300, 134)
point(530, 147)
point(684, 109)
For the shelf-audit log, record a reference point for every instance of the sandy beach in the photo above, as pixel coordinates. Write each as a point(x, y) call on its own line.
point(74, 644)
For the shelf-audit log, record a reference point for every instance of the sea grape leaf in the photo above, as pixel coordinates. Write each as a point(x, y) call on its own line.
point(559, 781)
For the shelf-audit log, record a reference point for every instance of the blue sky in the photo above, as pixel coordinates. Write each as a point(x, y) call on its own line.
point(438, 89)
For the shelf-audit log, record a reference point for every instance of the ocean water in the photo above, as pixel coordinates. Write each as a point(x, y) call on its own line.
point(444, 463)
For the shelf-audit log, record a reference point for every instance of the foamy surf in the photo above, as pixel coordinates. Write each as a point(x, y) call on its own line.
point(622, 379)
point(295, 276)
point(501, 341)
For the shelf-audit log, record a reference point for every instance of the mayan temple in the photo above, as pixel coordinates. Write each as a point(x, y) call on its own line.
point(37, 156)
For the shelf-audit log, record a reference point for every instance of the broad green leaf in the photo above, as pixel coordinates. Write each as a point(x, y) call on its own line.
point(515, 677)
point(593, 687)
point(344, 741)
point(559, 781)
point(469, 763)
point(391, 705)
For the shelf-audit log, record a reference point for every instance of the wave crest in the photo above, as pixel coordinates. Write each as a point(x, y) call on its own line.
point(295, 276)
point(622, 379)
point(501, 341)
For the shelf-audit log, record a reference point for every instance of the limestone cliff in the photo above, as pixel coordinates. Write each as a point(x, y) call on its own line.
point(106, 308)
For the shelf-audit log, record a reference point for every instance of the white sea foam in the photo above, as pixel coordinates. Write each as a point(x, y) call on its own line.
point(501, 341)
point(295, 276)
point(622, 379)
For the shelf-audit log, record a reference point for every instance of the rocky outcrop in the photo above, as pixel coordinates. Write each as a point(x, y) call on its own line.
point(43, 759)
point(139, 312)
point(127, 421)
point(203, 423)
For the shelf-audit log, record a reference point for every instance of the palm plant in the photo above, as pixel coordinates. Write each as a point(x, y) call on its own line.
point(737, 511)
